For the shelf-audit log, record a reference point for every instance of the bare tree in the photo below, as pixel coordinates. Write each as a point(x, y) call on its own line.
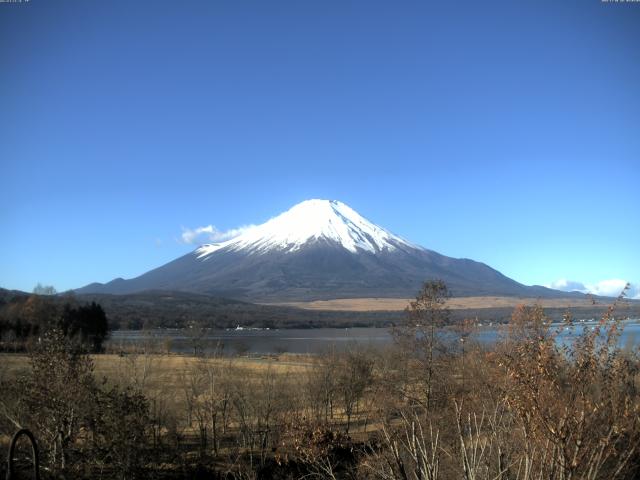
point(354, 375)
point(40, 289)
point(418, 335)
point(321, 385)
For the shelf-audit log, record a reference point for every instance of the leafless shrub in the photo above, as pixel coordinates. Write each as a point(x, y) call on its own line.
point(322, 452)
point(576, 406)
point(80, 425)
point(406, 452)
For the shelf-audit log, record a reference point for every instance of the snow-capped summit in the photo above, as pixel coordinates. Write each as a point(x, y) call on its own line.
point(309, 221)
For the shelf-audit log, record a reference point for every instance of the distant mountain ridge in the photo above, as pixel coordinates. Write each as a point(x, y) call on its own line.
point(318, 250)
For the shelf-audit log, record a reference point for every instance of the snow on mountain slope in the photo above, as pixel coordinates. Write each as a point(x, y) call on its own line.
point(312, 220)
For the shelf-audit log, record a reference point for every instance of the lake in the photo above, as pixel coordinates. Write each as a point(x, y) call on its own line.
point(264, 341)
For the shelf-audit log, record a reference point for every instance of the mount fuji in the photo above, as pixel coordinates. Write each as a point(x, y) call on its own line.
point(318, 250)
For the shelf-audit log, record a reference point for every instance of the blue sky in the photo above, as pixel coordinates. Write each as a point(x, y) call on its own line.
point(507, 132)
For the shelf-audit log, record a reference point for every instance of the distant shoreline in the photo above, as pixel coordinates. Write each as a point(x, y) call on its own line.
point(455, 303)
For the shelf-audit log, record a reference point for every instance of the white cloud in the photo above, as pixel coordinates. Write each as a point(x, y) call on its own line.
point(210, 233)
point(606, 288)
point(567, 285)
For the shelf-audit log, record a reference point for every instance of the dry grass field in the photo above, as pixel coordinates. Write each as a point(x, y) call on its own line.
point(167, 369)
point(398, 304)
point(163, 376)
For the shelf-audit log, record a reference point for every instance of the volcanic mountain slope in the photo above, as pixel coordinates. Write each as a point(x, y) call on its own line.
point(319, 249)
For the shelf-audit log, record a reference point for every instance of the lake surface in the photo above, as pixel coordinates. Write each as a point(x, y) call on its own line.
point(306, 340)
